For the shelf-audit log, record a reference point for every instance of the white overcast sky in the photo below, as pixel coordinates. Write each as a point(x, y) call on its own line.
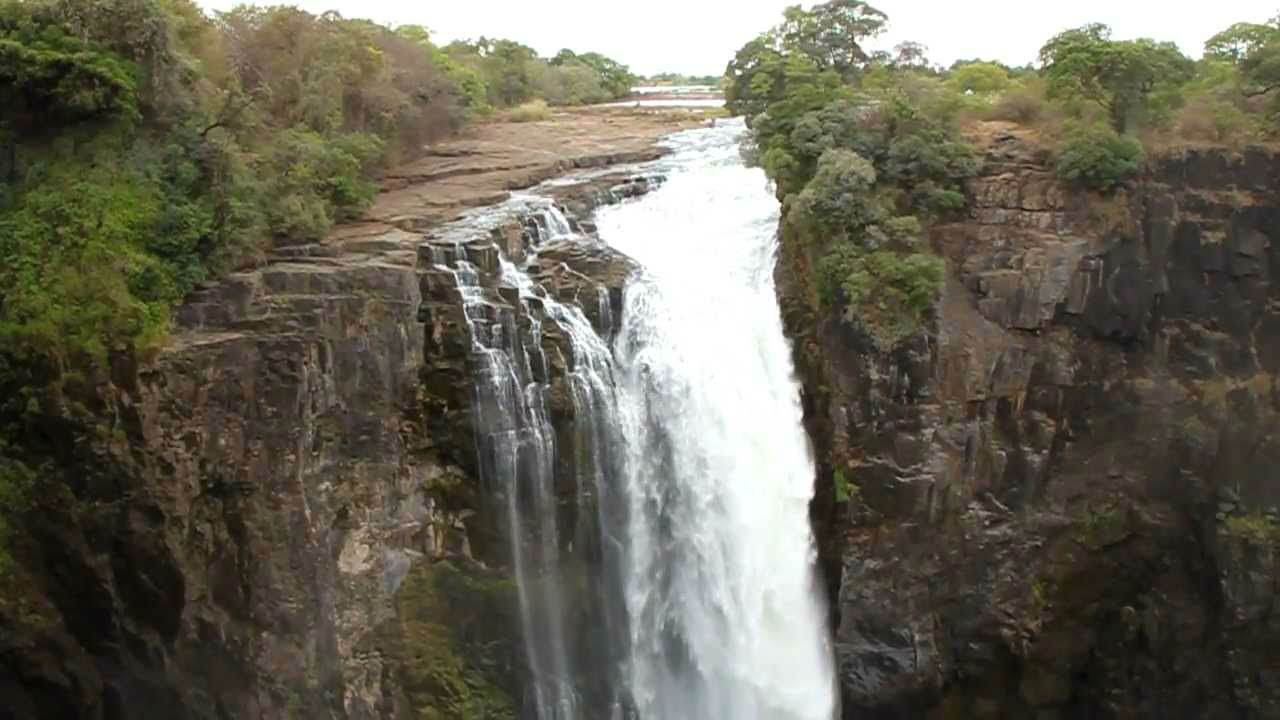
point(700, 36)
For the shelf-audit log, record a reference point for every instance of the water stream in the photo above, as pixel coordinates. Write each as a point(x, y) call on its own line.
point(681, 586)
point(726, 620)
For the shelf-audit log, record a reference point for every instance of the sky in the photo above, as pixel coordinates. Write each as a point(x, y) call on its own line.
point(700, 36)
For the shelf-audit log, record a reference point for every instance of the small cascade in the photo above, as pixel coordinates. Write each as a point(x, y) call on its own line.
point(535, 359)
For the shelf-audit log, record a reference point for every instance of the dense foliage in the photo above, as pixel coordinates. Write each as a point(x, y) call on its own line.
point(863, 154)
point(1098, 158)
point(1124, 77)
point(145, 147)
point(865, 146)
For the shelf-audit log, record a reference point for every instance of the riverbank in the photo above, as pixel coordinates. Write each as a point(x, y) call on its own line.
point(299, 449)
point(480, 167)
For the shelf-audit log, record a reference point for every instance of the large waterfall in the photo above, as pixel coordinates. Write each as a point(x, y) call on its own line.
point(678, 581)
point(726, 621)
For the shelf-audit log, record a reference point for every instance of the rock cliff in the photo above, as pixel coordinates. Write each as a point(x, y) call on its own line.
point(1061, 499)
point(279, 514)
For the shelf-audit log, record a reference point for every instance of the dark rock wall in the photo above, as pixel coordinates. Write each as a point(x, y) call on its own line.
point(1064, 495)
point(280, 515)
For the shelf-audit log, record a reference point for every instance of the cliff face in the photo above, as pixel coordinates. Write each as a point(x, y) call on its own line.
point(281, 515)
point(1062, 498)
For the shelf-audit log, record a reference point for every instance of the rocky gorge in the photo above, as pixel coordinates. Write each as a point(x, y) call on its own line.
point(1059, 500)
point(1055, 502)
point(281, 513)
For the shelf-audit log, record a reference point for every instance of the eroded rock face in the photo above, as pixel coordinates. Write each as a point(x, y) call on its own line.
point(280, 515)
point(1063, 496)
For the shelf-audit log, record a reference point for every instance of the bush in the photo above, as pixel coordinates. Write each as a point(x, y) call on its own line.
point(887, 292)
point(1209, 118)
point(1097, 158)
point(1022, 105)
point(839, 198)
point(532, 111)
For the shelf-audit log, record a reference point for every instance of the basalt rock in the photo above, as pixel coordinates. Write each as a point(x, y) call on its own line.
point(279, 515)
point(1063, 501)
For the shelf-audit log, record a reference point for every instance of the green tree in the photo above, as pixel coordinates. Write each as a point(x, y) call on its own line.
point(979, 78)
point(831, 33)
point(1241, 41)
point(1123, 77)
point(1255, 49)
point(615, 77)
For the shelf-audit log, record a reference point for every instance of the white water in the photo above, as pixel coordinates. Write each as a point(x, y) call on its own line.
point(726, 620)
point(686, 439)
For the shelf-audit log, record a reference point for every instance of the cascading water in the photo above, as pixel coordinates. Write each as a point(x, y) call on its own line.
point(726, 620)
point(681, 585)
point(525, 465)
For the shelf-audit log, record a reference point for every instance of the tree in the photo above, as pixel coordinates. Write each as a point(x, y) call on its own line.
point(614, 76)
point(828, 38)
point(979, 78)
point(1240, 41)
point(910, 54)
point(831, 33)
point(1255, 50)
point(1122, 76)
point(744, 95)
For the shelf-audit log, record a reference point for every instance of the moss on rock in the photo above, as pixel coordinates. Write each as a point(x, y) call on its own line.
point(457, 626)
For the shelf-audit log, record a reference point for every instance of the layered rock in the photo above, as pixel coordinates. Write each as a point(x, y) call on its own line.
point(279, 514)
point(1061, 498)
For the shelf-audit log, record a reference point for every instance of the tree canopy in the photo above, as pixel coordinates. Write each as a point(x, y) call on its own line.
point(1122, 76)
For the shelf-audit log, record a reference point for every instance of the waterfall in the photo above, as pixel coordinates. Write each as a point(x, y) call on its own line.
point(726, 619)
point(677, 584)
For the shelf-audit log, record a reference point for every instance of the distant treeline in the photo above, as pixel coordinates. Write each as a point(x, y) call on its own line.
point(678, 79)
point(146, 147)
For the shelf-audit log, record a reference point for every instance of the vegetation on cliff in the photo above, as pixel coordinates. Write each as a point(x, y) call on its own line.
point(865, 154)
point(146, 148)
point(457, 629)
point(867, 149)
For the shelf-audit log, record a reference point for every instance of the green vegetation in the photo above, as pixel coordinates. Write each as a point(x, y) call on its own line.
point(867, 149)
point(458, 626)
point(1098, 158)
point(146, 148)
point(505, 73)
point(1256, 528)
point(680, 79)
point(1129, 80)
point(845, 490)
point(865, 155)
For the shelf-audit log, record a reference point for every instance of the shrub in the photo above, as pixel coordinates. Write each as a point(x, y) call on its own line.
point(1023, 105)
point(1097, 158)
point(1208, 118)
point(839, 198)
point(887, 292)
point(532, 111)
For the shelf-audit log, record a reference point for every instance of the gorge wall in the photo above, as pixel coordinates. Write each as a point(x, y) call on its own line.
point(1061, 497)
point(281, 513)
